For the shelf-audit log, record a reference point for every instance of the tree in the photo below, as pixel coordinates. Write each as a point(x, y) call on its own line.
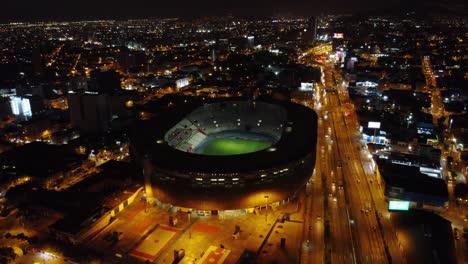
point(7, 255)
point(461, 191)
point(449, 162)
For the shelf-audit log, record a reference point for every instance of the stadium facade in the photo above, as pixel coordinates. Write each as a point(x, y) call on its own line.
point(171, 149)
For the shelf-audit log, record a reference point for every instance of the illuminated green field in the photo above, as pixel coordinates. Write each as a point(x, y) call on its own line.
point(234, 146)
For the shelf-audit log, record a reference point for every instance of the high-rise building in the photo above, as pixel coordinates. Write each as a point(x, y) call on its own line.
point(89, 112)
point(93, 112)
point(310, 34)
point(36, 60)
point(126, 59)
point(105, 81)
point(313, 27)
point(23, 107)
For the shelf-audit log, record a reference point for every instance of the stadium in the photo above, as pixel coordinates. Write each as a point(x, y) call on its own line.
point(226, 154)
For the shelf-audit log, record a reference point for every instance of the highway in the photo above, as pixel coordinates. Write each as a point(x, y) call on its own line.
point(341, 241)
point(364, 226)
point(351, 203)
point(364, 190)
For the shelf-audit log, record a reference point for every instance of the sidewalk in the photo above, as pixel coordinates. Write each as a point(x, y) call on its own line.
point(291, 231)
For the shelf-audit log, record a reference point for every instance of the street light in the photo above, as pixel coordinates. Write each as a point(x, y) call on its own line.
point(266, 213)
point(145, 200)
point(189, 213)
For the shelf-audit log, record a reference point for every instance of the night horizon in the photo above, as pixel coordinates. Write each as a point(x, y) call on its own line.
point(54, 10)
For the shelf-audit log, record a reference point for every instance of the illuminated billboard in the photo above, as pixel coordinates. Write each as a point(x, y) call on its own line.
point(373, 125)
point(307, 86)
point(398, 205)
point(366, 83)
point(338, 35)
point(181, 83)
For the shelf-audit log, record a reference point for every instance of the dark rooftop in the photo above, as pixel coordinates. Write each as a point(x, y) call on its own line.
point(88, 198)
point(412, 180)
point(40, 159)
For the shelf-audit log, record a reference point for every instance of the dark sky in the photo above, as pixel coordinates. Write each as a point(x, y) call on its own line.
point(34, 10)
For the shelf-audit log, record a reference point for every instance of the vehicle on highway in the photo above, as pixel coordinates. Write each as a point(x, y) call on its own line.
point(456, 233)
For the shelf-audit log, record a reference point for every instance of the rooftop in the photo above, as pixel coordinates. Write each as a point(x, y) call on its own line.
point(412, 180)
point(40, 159)
point(97, 194)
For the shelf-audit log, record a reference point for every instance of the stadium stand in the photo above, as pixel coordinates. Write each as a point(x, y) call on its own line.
point(192, 131)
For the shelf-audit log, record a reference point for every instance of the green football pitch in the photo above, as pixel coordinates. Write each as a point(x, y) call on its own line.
point(234, 146)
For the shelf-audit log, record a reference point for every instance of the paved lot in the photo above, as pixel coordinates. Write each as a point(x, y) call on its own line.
point(214, 255)
point(154, 243)
point(146, 235)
